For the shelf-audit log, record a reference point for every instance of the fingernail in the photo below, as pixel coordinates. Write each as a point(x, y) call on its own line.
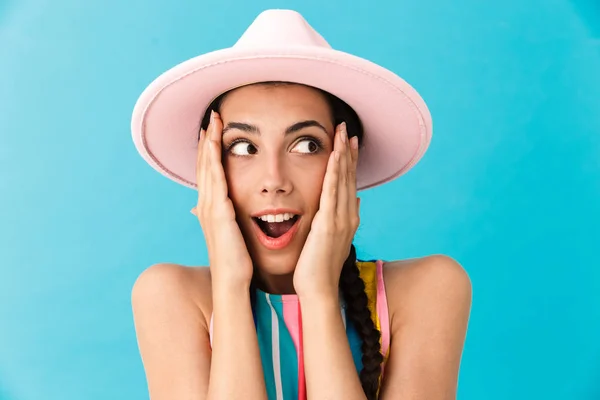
point(343, 132)
point(212, 116)
point(354, 142)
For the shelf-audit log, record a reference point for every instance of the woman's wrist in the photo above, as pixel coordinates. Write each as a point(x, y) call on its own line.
point(227, 284)
point(226, 290)
point(327, 297)
point(312, 291)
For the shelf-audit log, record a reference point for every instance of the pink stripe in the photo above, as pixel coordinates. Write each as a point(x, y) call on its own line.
point(293, 321)
point(382, 311)
point(301, 379)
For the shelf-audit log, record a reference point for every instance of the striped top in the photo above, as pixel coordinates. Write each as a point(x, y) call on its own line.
point(279, 330)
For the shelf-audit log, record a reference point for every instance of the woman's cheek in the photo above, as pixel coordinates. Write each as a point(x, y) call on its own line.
point(320, 165)
point(234, 174)
point(311, 172)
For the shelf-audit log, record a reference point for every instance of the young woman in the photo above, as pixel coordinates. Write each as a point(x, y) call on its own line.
point(289, 131)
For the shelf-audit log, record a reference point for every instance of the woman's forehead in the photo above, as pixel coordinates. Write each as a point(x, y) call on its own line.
point(289, 98)
point(281, 106)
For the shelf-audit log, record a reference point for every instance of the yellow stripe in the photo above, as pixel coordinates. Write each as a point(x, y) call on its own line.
point(368, 273)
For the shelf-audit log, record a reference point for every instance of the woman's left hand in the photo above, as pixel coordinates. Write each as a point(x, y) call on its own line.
point(334, 225)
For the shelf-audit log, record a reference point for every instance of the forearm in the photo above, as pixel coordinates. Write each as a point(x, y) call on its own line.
point(329, 368)
point(236, 368)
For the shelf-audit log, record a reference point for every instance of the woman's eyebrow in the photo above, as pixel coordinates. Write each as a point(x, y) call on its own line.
point(253, 129)
point(242, 127)
point(304, 124)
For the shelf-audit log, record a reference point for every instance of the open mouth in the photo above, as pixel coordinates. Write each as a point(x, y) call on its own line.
point(278, 226)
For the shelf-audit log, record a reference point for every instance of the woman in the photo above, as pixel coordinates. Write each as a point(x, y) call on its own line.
point(285, 310)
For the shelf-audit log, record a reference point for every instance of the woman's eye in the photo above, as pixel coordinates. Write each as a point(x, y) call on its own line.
point(242, 149)
point(307, 146)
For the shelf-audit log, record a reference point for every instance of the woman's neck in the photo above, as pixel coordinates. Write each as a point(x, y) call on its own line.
point(274, 284)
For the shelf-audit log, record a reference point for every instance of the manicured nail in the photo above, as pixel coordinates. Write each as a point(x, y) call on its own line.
point(343, 132)
point(212, 117)
point(354, 142)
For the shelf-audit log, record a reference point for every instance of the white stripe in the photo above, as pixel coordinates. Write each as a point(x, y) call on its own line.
point(276, 358)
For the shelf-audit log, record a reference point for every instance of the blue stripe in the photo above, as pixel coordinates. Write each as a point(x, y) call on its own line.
point(288, 356)
point(263, 330)
point(355, 343)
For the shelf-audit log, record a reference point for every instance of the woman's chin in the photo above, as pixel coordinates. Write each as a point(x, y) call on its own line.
point(275, 263)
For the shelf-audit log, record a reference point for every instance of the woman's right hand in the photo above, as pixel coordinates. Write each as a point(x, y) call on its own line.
point(230, 262)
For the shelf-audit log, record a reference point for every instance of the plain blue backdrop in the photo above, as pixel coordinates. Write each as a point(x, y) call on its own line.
point(510, 186)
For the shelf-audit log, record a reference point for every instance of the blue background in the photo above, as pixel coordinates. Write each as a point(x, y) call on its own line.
point(510, 186)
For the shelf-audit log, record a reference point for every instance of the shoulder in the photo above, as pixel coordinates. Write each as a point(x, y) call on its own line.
point(419, 284)
point(416, 270)
point(175, 284)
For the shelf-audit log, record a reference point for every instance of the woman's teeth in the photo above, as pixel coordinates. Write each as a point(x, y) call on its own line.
point(276, 217)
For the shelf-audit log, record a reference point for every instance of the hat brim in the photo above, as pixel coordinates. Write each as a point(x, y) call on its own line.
point(397, 123)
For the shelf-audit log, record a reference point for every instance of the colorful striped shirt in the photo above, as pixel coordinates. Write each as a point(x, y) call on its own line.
point(279, 329)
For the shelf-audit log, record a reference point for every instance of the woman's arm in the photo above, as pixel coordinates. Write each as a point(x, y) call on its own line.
point(174, 342)
point(430, 300)
point(329, 368)
point(430, 303)
point(236, 371)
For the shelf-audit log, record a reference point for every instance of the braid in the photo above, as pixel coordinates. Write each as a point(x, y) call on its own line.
point(353, 290)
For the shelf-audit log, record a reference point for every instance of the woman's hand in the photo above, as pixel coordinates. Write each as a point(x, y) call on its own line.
point(333, 227)
point(230, 262)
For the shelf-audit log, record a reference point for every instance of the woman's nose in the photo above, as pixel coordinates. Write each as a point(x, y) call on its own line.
point(275, 176)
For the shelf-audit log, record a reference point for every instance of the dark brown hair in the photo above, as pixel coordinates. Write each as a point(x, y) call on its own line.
point(351, 284)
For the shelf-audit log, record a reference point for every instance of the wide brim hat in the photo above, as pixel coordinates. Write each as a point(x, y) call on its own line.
point(280, 45)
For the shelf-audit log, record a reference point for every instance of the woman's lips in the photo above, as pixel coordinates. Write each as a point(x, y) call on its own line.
point(277, 243)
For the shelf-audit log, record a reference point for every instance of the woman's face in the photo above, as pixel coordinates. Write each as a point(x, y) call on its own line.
point(276, 143)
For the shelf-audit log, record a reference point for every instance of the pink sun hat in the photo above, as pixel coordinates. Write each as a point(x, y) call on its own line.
point(280, 45)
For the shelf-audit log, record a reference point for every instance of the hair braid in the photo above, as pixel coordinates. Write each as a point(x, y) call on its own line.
point(353, 290)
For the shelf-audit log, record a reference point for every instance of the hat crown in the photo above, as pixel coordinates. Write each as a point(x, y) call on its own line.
point(280, 28)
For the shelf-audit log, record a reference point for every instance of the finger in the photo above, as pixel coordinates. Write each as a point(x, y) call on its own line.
point(219, 182)
point(352, 165)
point(217, 131)
point(202, 174)
point(200, 160)
point(209, 184)
point(215, 135)
point(354, 152)
point(354, 149)
point(342, 192)
point(330, 182)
